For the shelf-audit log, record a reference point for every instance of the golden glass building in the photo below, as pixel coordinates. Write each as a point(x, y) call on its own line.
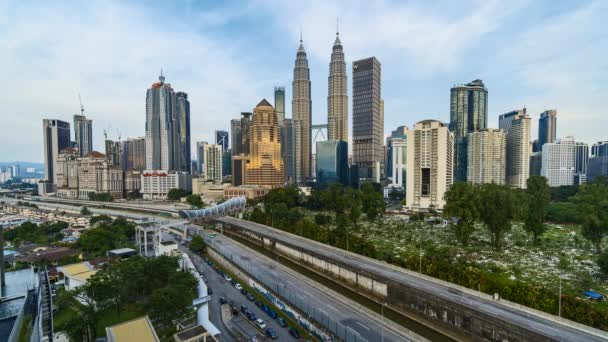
point(265, 165)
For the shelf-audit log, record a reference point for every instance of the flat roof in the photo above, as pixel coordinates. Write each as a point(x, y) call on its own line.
point(196, 331)
point(81, 271)
point(139, 329)
point(122, 251)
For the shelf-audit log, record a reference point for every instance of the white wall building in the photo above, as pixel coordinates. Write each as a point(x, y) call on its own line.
point(430, 148)
point(213, 163)
point(155, 184)
point(399, 150)
point(518, 148)
point(559, 159)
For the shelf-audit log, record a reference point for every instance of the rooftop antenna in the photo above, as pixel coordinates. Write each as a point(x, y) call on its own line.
point(337, 26)
point(119, 135)
point(81, 106)
point(161, 77)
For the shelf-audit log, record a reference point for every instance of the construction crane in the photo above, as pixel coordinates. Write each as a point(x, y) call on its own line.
point(81, 106)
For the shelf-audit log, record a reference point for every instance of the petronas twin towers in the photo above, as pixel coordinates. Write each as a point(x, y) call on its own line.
point(337, 107)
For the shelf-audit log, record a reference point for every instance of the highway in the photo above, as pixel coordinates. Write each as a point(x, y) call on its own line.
point(525, 319)
point(360, 323)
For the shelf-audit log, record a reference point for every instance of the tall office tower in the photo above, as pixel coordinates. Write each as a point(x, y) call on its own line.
point(134, 154)
point(200, 156)
point(56, 137)
point(235, 136)
point(114, 153)
point(598, 166)
point(547, 125)
point(399, 162)
point(83, 134)
point(279, 104)
point(505, 120)
point(398, 133)
point(221, 138)
point(265, 163)
point(159, 126)
point(368, 126)
point(486, 156)
point(581, 162)
point(535, 146)
point(181, 132)
point(332, 163)
point(536, 163)
point(226, 163)
point(337, 98)
point(213, 163)
point(468, 113)
point(430, 152)
point(599, 149)
point(559, 159)
point(301, 106)
point(518, 147)
point(288, 150)
point(245, 137)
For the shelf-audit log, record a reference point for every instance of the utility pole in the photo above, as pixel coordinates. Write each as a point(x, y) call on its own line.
point(559, 309)
point(383, 321)
point(420, 258)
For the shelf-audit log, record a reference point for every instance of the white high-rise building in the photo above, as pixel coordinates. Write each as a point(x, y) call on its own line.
point(559, 161)
point(159, 126)
point(517, 126)
point(213, 163)
point(399, 161)
point(486, 156)
point(430, 152)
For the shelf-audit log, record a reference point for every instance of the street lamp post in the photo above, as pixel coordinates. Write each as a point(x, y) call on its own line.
point(382, 309)
point(559, 308)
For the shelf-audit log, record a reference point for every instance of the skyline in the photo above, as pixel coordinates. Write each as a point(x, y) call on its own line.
point(108, 53)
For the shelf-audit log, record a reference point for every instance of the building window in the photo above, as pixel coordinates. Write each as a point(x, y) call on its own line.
point(426, 182)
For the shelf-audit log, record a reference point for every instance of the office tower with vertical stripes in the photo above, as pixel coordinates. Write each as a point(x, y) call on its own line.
point(83, 134)
point(337, 98)
point(301, 107)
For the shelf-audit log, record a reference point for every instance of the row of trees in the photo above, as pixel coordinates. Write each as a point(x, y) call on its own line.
point(496, 206)
point(28, 232)
point(151, 285)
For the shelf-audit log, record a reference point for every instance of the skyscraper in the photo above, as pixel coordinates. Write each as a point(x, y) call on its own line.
point(181, 133)
point(368, 123)
point(200, 156)
point(517, 124)
point(83, 134)
point(599, 149)
point(288, 150)
point(159, 126)
point(536, 163)
point(399, 161)
point(430, 147)
point(134, 154)
point(235, 136)
point(332, 162)
point(398, 133)
point(486, 156)
point(221, 138)
point(581, 162)
point(245, 138)
point(506, 120)
point(213, 163)
point(279, 104)
point(56, 137)
point(547, 126)
point(265, 165)
point(559, 160)
point(114, 153)
point(468, 113)
point(301, 107)
point(337, 98)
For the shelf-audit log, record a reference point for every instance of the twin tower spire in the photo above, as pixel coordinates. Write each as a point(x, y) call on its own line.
point(337, 106)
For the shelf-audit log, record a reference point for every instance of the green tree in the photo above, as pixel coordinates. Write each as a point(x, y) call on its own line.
point(100, 218)
point(372, 201)
point(592, 200)
point(133, 195)
point(602, 262)
point(537, 201)
point(195, 200)
point(354, 204)
point(176, 194)
point(462, 206)
point(85, 211)
point(496, 210)
point(197, 245)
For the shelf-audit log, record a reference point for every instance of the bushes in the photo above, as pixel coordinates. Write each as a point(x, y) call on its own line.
point(563, 212)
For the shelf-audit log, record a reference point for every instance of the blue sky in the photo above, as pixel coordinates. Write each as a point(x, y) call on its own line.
point(229, 55)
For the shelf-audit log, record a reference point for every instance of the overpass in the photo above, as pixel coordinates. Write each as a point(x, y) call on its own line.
point(457, 311)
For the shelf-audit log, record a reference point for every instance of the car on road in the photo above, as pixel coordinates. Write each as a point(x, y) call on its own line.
point(260, 323)
point(282, 322)
point(294, 333)
point(244, 309)
point(238, 286)
point(244, 292)
point(273, 314)
point(209, 291)
point(235, 310)
point(272, 333)
point(233, 282)
point(258, 303)
point(223, 300)
point(227, 277)
point(251, 315)
point(251, 297)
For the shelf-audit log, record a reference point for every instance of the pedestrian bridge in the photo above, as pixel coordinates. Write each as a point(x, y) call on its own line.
point(229, 207)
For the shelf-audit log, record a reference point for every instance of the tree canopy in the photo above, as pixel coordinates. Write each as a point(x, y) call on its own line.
point(176, 194)
point(538, 195)
point(462, 202)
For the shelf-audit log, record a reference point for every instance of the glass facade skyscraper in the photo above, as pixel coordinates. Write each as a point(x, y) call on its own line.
point(547, 126)
point(332, 162)
point(83, 134)
point(468, 113)
point(279, 104)
point(301, 107)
